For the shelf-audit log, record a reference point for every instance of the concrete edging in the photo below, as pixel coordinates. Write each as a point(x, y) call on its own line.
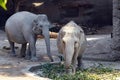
point(29, 73)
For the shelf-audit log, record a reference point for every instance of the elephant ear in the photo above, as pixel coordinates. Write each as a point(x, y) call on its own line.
point(36, 29)
point(60, 41)
point(35, 23)
point(79, 33)
point(44, 19)
point(81, 30)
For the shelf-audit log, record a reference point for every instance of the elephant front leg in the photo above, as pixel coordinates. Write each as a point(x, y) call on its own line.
point(12, 46)
point(23, 50)
point(74, 62)
point(80, 64)
point(28, 54)
point(33, 50)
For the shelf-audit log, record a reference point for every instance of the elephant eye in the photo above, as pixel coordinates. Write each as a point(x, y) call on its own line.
point(63, 42)
point(44, 19)
point(36, 24)
point(76, 44)
point(40, 26)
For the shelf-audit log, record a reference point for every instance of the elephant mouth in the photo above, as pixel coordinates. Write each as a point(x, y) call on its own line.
point(41, 33)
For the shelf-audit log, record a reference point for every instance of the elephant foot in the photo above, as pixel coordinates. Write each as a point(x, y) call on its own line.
point(34, 59)
point(80, 64)
point(69, 71)
point(51, 58)
point(13, 55)
point(27, 57)
point(61, 58)
point(21, 56)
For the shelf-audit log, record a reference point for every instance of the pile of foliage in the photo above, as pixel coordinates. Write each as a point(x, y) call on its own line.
point(57, 72)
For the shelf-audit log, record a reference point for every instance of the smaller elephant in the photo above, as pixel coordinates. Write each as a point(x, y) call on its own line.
point(71, 42)
point(23, 27)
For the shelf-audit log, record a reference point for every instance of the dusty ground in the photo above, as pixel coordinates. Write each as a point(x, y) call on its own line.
point(11, 68)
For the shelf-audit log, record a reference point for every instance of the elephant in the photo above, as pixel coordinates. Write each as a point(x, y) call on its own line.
point(71, 43)
point(22, 28)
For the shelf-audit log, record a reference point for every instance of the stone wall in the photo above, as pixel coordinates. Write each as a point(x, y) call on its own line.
point(89, 13)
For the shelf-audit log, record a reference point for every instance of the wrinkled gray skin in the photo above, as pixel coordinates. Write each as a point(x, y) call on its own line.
point(22, 28)
point(71, 43)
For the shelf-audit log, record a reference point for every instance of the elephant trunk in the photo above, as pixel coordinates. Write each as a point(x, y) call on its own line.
point(47, 41)
point(69, 52)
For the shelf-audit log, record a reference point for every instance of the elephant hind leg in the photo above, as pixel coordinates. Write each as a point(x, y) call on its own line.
point(23, 50)
point(79, 61)
point(12, 46)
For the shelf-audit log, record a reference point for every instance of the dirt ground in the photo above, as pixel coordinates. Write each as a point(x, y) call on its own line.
point(13, 68)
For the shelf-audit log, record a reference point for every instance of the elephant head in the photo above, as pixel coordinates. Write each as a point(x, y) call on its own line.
point(70, 43)
point(41, 26)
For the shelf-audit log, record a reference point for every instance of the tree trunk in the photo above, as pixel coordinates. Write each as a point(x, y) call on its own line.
point(116, 30)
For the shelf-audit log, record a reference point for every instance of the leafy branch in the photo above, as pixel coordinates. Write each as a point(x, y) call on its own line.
point(3, 4)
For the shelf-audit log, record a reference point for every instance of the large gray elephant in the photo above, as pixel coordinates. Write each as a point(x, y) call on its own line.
point(71, 43)
point(23, 27)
